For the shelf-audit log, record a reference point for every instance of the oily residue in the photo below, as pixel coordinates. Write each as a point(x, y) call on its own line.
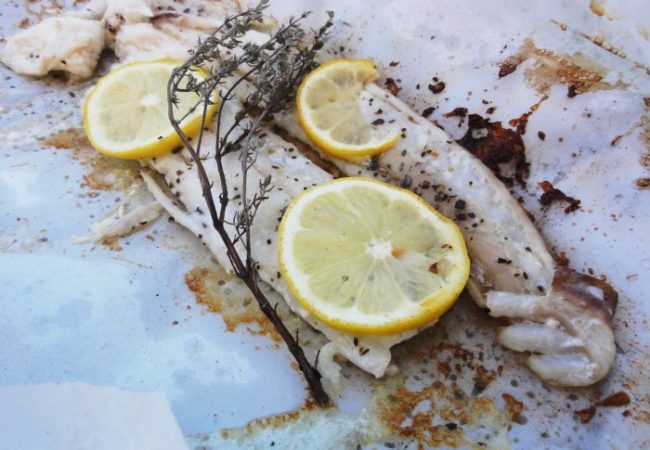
point(441, 415)
point(551, 195)
point(436, 415)
point(500, 149)
point(223, 293)
point(227, 295)
point(550, 68)
point(104, 174)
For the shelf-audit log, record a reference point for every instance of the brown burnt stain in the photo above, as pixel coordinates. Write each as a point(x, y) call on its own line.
point(509, 65)
point(105, 174)
point(550, 68)
point(276, 420)
point(496, 147)
point(522, 121)
point(514, 408)
point(551, 195)
point(224, 294)
point(585, 415)
point(24, 24)
point(616, 400)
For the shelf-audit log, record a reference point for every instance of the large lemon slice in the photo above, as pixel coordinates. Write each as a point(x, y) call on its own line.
point(330, 112)
point(369, 258)
point(125, 113)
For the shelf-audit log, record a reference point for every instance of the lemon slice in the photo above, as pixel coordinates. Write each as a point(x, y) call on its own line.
point(330, 112)
point(125, 113)
point(369, 258)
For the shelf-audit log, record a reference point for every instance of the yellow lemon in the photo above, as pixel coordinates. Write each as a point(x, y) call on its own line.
point(330, 111)
point(125, 113)
point(369, 258)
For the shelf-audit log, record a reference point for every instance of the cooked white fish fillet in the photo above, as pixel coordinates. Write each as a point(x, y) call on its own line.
point(121, 222)
point(563, 318)
point(291, 173)
point(65, 44)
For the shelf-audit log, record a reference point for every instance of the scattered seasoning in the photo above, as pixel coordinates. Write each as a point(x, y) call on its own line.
point(495, 146)
point(393, 63)
point(571, 91)
point(428, 111)
point(392, 86)
point(378, 122)
point(504, 261)
point(433, 268)
point(438, 87)
point(456, 112)
point(406, 181)
point(490, 110)
point(551, 194)
point(460, 204)
point(541, 135)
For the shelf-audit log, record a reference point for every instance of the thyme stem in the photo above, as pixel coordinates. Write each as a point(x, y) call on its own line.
point(277, 65)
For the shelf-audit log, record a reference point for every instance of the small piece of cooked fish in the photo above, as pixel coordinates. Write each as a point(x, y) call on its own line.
point(563, 318)
point(65, 44)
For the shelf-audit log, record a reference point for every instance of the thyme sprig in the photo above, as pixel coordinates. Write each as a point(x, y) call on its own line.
point(273, 69)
